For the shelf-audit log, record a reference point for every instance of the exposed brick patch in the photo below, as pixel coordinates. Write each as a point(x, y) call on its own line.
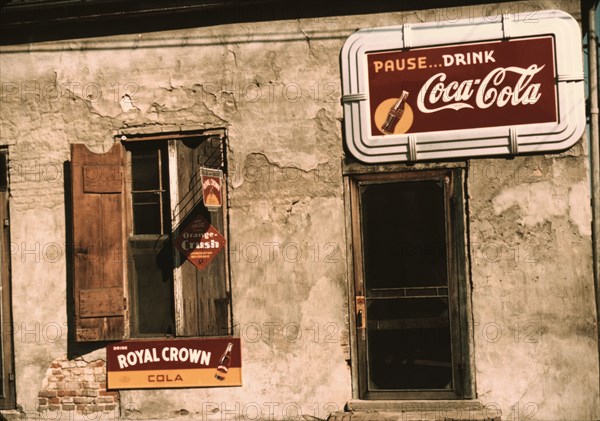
point(76, 385)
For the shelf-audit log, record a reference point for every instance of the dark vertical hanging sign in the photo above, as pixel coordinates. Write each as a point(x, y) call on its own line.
point(212, 192)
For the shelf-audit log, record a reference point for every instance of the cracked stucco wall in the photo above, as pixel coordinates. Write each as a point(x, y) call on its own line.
point(276, 87)
point(278, 95)
point(530, 221)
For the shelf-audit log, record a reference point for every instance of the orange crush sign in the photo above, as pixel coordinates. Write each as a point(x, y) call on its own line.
point(174, 363)
point(200, 242)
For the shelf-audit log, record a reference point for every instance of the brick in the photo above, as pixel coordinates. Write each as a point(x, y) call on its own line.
point(67, 399)
point(88, 385)
point(82, 399)
point(67, 392)
point(102, 385)
point(54, 401)
point(105, 399)
point(108, 393)
point(47, 394)
point(88, 392)
point(77, 371)
point(68, 407)
point(80, 363)
point(99, 370)
point(61, 385)
point(42, 408)
point(72, 385)
point(56, 372)
point(53, 407)
point(42, 401)
point(92, 408)
point(109, 407)
point(98, 363)
point(100, 378)
point(56, 364)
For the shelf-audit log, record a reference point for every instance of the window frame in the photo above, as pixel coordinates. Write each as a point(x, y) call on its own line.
point(131, 287)
point(160, 164)
point(459, 304)
point(170, 144)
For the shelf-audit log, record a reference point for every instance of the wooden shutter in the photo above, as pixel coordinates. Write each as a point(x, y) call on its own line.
point(98, 263)
point(205, 296)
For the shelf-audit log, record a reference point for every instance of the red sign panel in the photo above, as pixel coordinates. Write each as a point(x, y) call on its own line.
point(174, 363)
point(465, 86)
point(200, 242)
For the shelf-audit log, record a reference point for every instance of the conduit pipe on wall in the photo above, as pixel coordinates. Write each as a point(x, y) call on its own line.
point(594, 155)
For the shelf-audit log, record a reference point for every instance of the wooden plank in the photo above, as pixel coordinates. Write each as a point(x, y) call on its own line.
point(187, 270)
point(99, 329)
point(112, 249)
point(102, 178)
point(179, 305)
point(212, 282)
point(87, 241)
point(212, 291)
point(100, 302)
point(204, 292)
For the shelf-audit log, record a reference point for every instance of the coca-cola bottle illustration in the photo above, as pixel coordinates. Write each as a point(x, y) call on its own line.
point(224, 363)
point(394, 114)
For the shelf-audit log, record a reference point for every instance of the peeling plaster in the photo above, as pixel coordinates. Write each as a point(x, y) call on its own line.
point(536, 203)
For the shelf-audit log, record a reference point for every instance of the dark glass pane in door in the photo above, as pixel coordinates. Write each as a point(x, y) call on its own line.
point(404, 234)
point(409, 343)
point(406, 286)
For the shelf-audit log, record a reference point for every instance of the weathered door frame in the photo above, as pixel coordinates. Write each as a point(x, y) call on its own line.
point(353, 173)
point(7, 386)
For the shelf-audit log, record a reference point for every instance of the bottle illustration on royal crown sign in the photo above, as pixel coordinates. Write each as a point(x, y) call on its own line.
point(224, 363)
point(394, 114)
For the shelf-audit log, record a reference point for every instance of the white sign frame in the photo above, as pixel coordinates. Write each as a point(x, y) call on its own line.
point(465, 143)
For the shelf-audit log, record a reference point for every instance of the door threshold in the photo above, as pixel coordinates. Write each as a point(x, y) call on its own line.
point(417, 410)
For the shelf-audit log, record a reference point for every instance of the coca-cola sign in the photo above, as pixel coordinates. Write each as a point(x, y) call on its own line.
point(430, 91)
point(465, 86)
